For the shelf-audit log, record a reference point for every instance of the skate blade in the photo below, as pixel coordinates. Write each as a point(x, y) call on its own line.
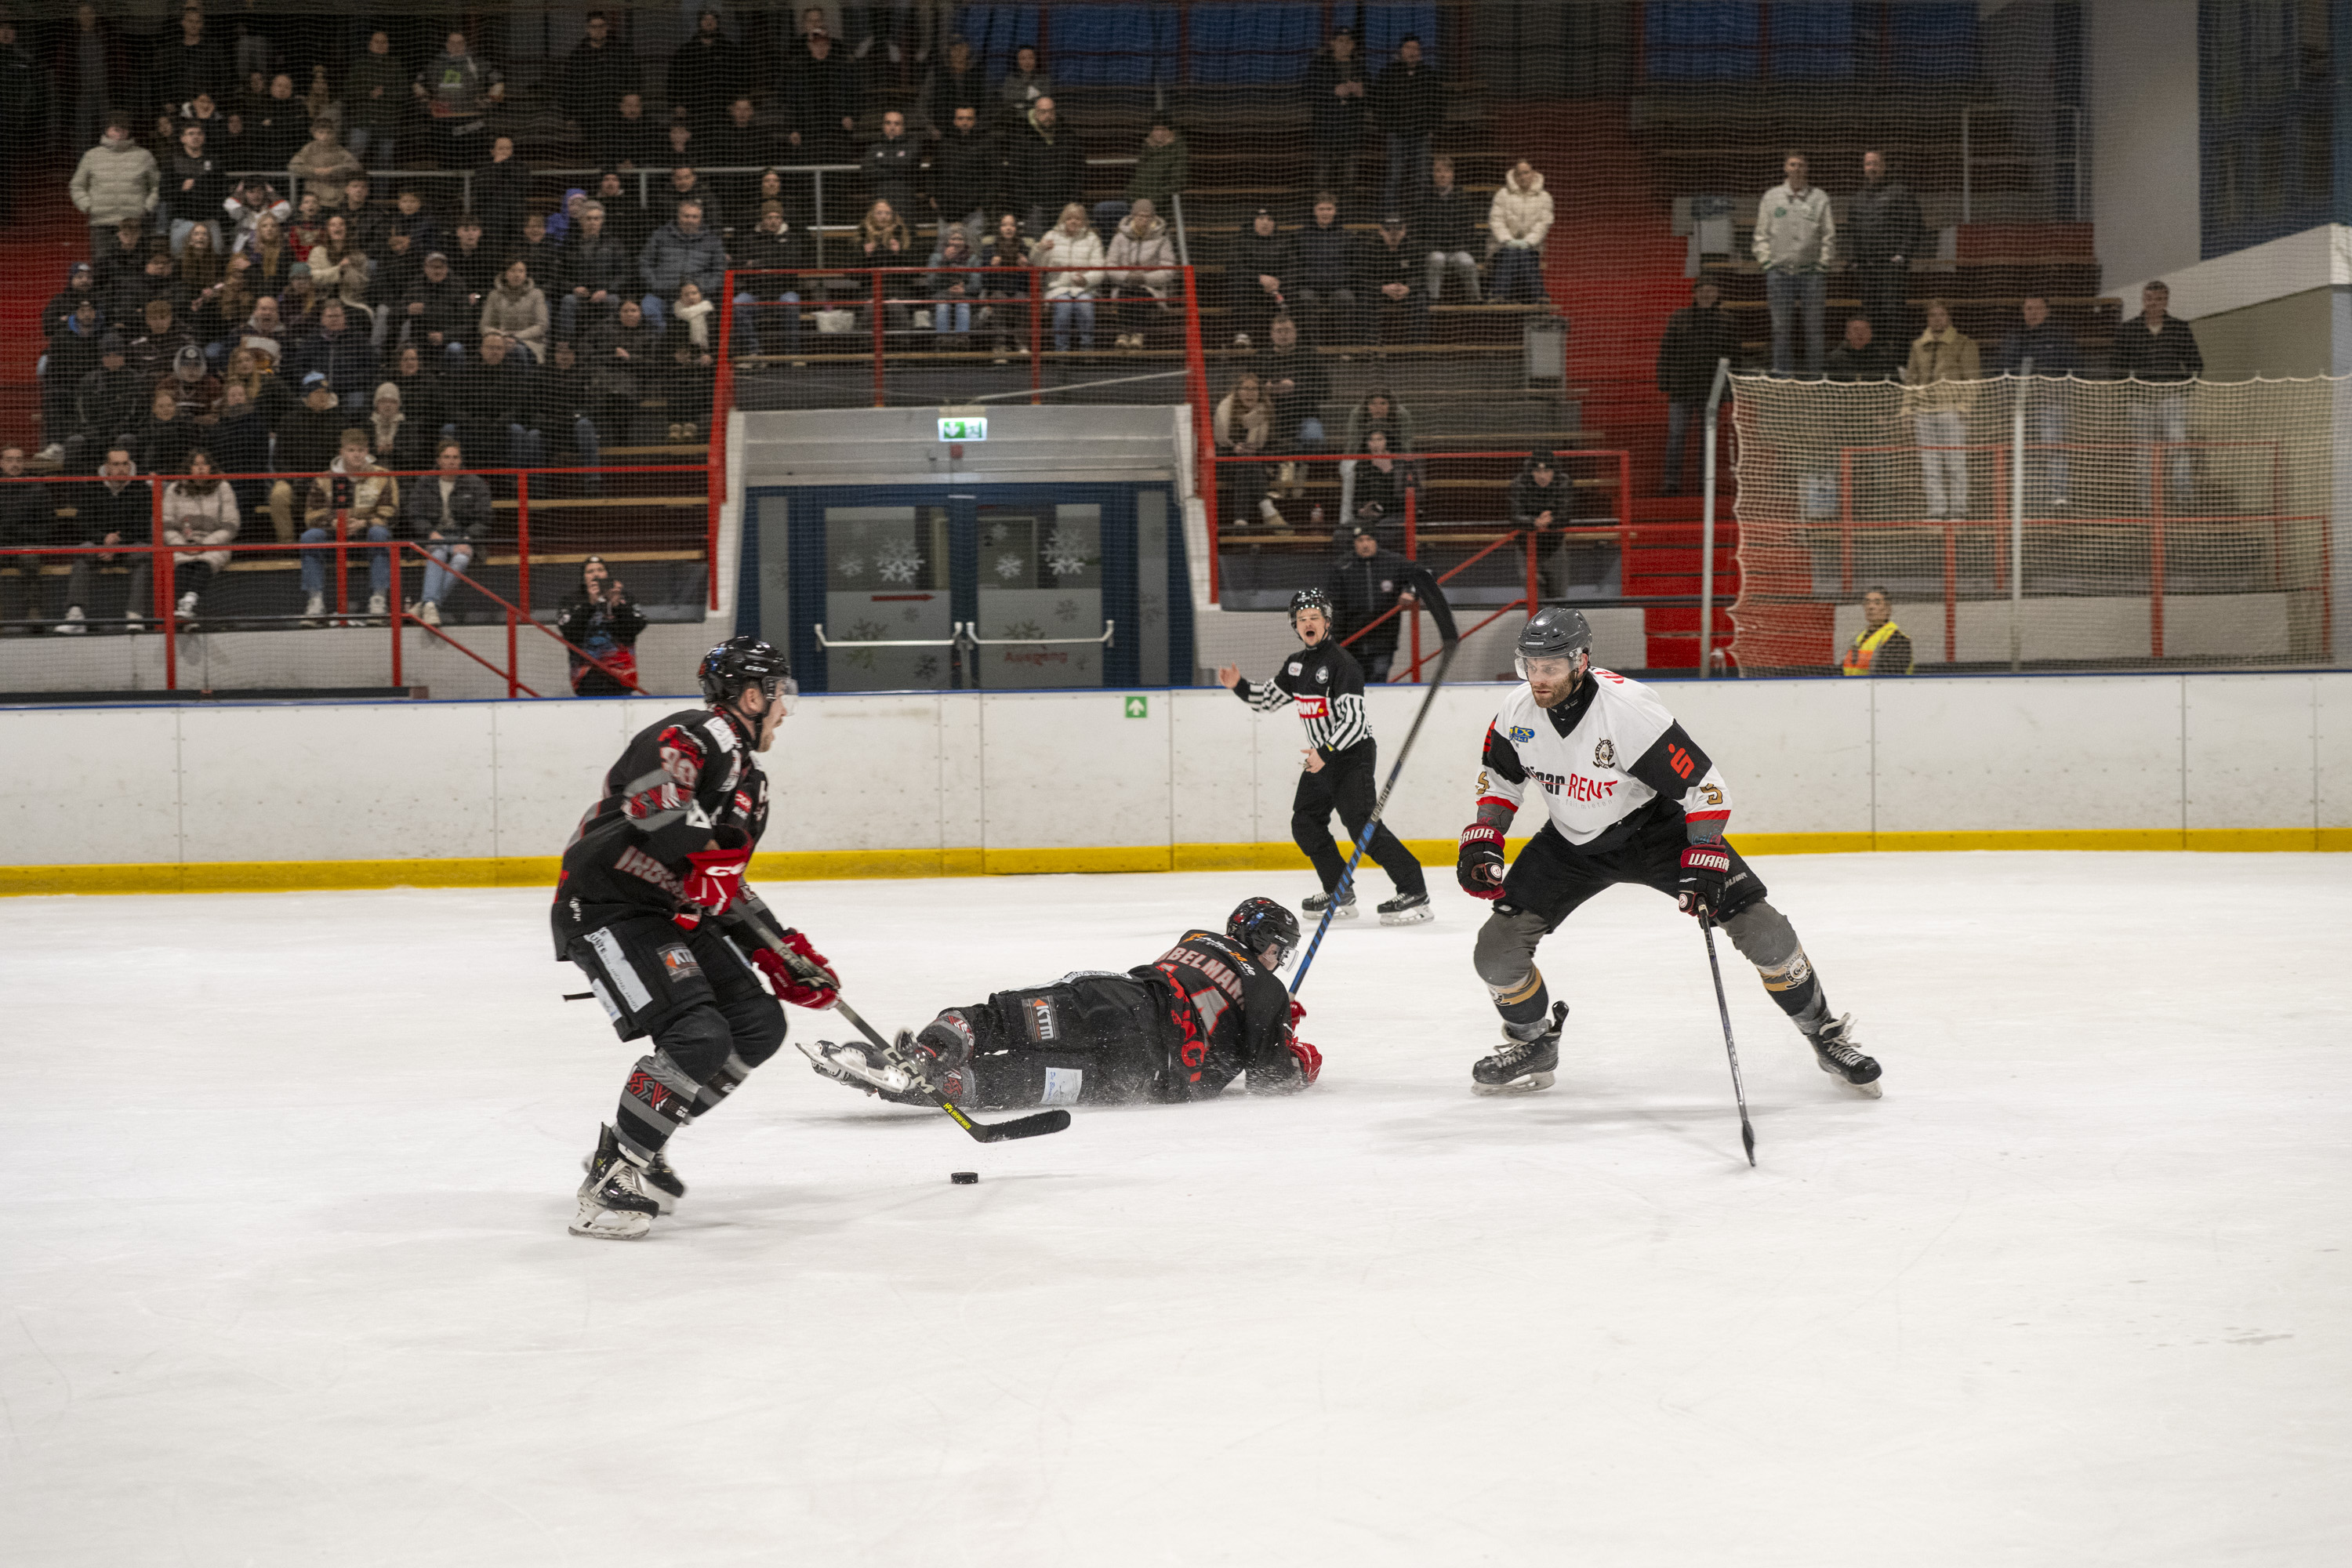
point(887, 1080)
point(1528, 1085)
point(1411, 917)
point(1871, 1090)
point(610, 1225)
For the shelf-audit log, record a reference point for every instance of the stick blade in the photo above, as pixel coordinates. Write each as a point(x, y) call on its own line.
point(1035, 1126)
point(1748, 1138)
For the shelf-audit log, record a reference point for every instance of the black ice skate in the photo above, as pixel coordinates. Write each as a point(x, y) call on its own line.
point(897, 1074)
point(1521, 1067)
point(660, 1181)
point(1316, 903)
point(1407, 909)
point(614, 1203)
point(1833, 1050)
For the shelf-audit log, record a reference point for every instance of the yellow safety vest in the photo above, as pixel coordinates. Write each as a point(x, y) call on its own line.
point(1864, 648)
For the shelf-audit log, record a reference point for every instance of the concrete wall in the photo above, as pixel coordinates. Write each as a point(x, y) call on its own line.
point(2140, 62)
point(477, 794)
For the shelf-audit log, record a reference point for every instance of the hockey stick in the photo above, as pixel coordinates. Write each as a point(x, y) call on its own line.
point(1372, 823)
point(1739, 1090)
point(1031, 1126)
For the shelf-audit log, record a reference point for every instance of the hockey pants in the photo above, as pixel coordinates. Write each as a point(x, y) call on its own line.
point(1345, 781)
point(1551, 879)
point(1087, 1039)
point(710, 1018)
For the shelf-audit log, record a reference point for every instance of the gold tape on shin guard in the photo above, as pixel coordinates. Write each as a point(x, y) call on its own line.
point(1788, 975)
point(1511, 996)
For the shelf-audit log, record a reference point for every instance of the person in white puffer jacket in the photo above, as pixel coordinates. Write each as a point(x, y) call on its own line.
point(200, 509)
point(1519, 218)
point(1796, 244)
point(1071, 244)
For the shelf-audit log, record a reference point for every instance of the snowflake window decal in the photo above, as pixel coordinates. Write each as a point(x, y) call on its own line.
point(1066, 610)
point(897, 563)
point(1008, 566)
point(851, 567)
point(1065, 553)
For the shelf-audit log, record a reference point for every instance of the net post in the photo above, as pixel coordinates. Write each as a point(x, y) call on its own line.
point(513, 668)
point(1412, 553)
point(1204, 424)
point(714, 451)
point(1951, 591)
point(2156, 550)
point(2017, 518)
point(1706, 517)
point(342, 555)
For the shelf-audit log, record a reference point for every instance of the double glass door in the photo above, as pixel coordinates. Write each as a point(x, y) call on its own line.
point(996, 588)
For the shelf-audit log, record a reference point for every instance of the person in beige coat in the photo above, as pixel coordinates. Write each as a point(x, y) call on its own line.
point(1942, 378)
point(517, 308)
point(326, 164)
point(1142, 240)
point(1242, 421)
point(200, 509)
point(1519, 219)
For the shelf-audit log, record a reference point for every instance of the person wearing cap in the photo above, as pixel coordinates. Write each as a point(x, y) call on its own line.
point(108, 405)
point(1391, 272)
point(820, 97)
point(192, 381)
point(81, 283)
point(309, 436)
point(1162, 168)
point(600, 619)
point(1257, 276)
point(1540, 498)
point(1365, 582)
point(72, 355)
point(343, 352)
point(437, 316)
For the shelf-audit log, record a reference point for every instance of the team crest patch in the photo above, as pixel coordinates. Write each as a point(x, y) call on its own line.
point(1323, 675)
point(681, 964)
point(1521, 735)
point(1294, 666)
point(1042, 1027)
point(1604, 755)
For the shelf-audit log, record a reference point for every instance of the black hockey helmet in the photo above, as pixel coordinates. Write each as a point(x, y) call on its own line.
point(1309, 599)
point(1261, 923)
point(1553, 632)
point(744, 660)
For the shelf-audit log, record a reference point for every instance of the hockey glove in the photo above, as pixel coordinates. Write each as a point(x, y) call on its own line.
point(1309, 1060)
point(713, 879)
point(790, 982)
point(1705, 865)
point(1297, 1011)
point(1479, 867)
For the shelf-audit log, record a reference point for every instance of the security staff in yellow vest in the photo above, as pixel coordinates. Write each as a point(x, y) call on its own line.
point(1880, 647)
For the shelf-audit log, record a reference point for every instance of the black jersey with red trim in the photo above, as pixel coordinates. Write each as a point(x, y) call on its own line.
point(1328, 684)
point(681, 782)
point(1230, 1014)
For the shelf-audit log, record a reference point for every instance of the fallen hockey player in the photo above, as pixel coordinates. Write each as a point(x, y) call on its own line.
point(1182, 1027)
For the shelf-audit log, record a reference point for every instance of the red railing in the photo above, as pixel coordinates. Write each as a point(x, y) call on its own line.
point(163, 567)
point(2157, 520)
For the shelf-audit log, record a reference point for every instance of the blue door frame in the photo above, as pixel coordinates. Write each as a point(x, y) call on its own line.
point(805, 535)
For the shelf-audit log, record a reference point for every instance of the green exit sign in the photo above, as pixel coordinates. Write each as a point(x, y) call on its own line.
point(1138, 708)
point(963, 430)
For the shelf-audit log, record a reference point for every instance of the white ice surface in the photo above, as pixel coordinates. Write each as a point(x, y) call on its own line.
point(285, 1278)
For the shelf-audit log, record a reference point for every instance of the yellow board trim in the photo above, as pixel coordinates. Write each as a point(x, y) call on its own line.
point(539, 871)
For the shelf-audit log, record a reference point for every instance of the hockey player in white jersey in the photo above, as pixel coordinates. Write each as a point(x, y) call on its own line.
point(1631, 798)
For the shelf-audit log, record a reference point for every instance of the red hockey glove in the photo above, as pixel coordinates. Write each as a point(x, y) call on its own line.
point(788, 981)
point(1479, 867)
point(713, 879)
point(1309, 1060)
point(1297, 1011)
point(1705, 865)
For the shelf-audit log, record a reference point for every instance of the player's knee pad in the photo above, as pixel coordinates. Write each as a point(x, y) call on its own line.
point(1505, 951)
point(1762, 934)
point(949, 1036)
point(758, 1034)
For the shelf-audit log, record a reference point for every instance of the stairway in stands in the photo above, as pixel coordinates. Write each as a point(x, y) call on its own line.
point(37, 249)
point(1615, 266)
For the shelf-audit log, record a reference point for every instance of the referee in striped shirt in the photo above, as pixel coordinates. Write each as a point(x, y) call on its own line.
point(1327, 686)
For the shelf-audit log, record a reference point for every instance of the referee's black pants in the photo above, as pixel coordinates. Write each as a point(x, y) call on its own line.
point(1345, 781)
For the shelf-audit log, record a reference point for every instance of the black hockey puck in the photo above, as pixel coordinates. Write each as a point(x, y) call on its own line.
point(964, 1178)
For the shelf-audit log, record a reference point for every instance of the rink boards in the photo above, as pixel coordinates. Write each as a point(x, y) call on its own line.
point(197, 797)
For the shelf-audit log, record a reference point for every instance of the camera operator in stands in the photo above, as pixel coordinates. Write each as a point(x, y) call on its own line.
point(600, 619)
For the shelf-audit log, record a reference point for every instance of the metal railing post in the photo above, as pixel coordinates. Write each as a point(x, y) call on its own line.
point(522, 539)
point(399, 602)
point(1036, 336)
point(880, 399)
point(513, 658)
point(2017, 519)
point(343, 574)
point(161, 567)
point(1707, 520)
point(1412, 553)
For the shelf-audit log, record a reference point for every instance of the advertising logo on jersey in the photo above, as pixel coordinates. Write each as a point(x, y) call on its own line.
point(681, 964)
point(1604, 755)
point(1042, 1027)
point(1574, 787)
point(1294, 667)
point(1521, 735)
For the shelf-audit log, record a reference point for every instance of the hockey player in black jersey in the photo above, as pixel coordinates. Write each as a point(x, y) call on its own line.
point(1324, 680)
point(651, 905)
point(1630, 797)
point(1208, 1011)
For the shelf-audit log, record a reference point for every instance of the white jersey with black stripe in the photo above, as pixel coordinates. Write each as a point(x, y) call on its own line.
point(1606, 753)
point(1327, 685)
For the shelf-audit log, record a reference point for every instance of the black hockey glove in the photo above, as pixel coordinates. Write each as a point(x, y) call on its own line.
point(1479, 867)
point(1705, 865)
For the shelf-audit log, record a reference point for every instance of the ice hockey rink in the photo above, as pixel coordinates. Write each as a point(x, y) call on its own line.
point(288, 1279)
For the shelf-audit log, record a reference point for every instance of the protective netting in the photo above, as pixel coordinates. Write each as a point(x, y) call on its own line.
point(2040, 522)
